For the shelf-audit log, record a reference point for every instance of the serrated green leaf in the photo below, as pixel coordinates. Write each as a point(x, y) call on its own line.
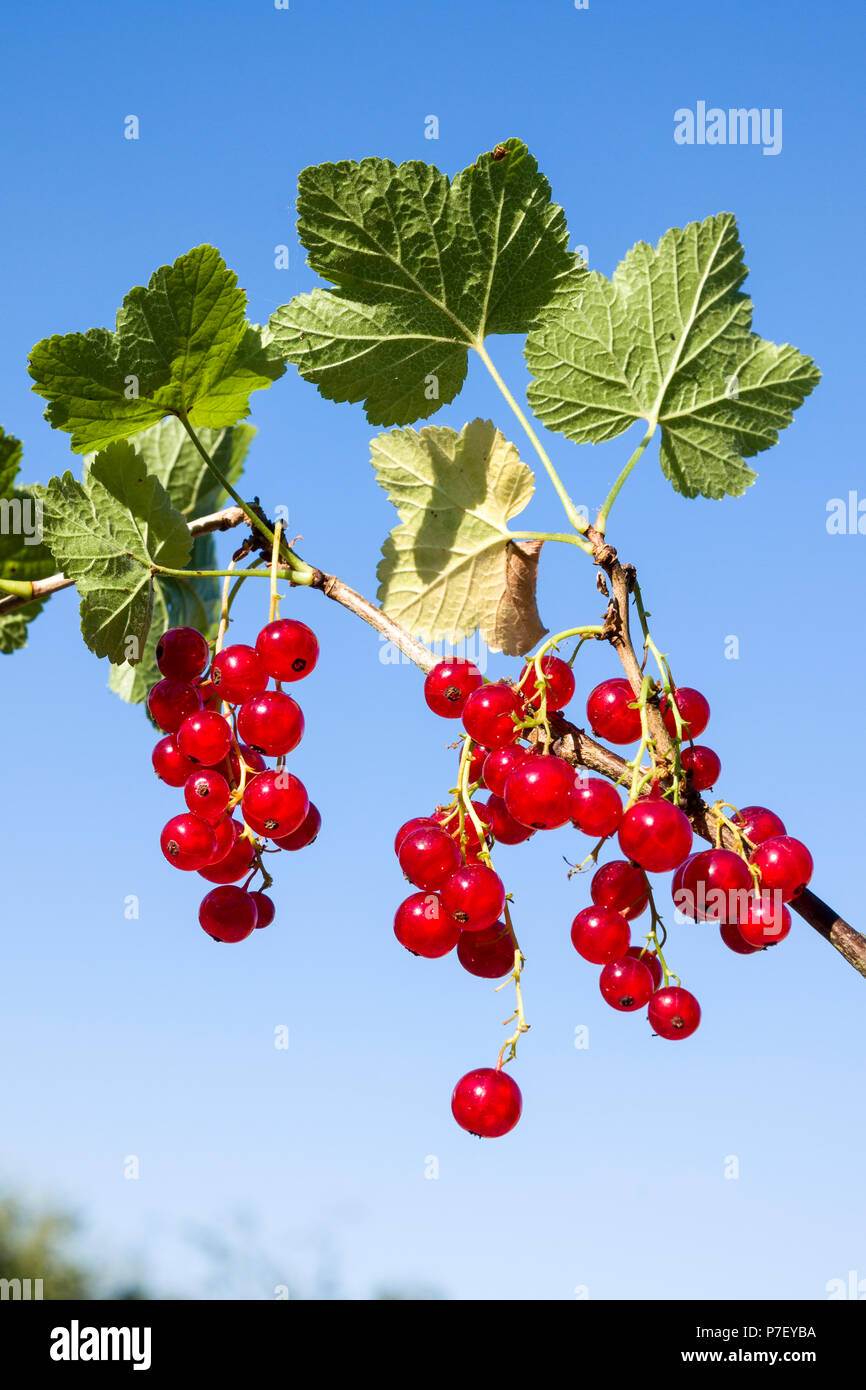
point(669, 341)
point(171, 456)
point(23, 556)
point(450, 567)
point(182, 344)
point(10, 460)
point(424, 269)
point(105, 533)
point(13, 626)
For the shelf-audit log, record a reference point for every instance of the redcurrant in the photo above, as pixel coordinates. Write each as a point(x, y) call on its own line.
point(765, 921)
point(182, 653)
point(674, 1012)
point(238, 674)
point(758, 824)
point(228, 913)
point(287, 649)
point(265, 910)
point(599, 935)
point(704, 765)
point(595, 806)
point(488, 953)
point(207, 793)
point(170, 702)
point(305, 834)
point(499, 764)
point(694, 712)
point(538, 792)
point(655, 834)
point(559, 683)
point(487, 1102)
point(474, 896)
point(428, 857)
point(608, 712)
point(187, 842)
point(271, 723)
point(503, 826)
point(205, 737)
point(621, 886)
point(275, 803)
point(449, 685)
point(651, 961)
point(785, 865)
point(422, 925)
point(491, 713)
point(715, 886)
point(235, 864)
point(626, 983)
point(169, 764)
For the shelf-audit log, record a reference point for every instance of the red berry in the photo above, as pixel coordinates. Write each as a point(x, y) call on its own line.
point(595, 806)
point(422, 925)
point(498, 765)
point(626, 983)
point(655, 834)
point(305, 833)
point(287, 649)
point(715, 886)
point(209, 697)
point(449, 685)
point(651, 961)
point(428, 856)
point(784, 864)
point(187, 842)
point(416, 823)
point(621, 886)
point(205, 737)
point(694, 712)
point(538, 792)
point(448, 819)
point(559, 683)
point(607, 710)
point(758, 824)
point(730, 934)
point(238, 674)
point(474, 896)
point(253, 760)
point(234, 865)
point(170, 702)
point(182, 653)
point(674, 1012)
point(486, 1102)
point(477, 759)
point(271, 723)
point(226, 832)
point(765, 921)
point(599, 934)
point(704, 765)
point(169, 764)
point(265, 910)
point(488, 953)
point(228, 914)
point(491, 713)
point(207, 793)
point(503, 826)
point(275, 803)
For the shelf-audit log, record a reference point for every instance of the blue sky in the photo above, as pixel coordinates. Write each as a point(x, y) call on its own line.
point(139, 1038)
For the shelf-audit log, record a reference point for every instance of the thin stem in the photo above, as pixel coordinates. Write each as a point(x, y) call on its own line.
point(275, 554)
point(571, 511)
point(561, 536)
point(208, 574)
point(601, 519)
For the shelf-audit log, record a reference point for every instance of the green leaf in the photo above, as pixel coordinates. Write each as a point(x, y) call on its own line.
point(105, 533)
point(23, 556)
point(13, 626)
point(182, 345)
point(170, 455)
point(669, 341)
point(451, 566)
point(424, 269)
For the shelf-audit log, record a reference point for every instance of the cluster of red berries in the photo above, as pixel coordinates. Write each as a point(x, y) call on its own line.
point(220, 761)
point(460, 899)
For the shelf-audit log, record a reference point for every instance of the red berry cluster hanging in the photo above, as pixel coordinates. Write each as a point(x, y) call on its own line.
point(460, 900)
point(221, 723)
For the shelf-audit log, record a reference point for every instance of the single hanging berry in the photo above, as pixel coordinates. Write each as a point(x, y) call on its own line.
point(182, 653)
point(608, 712)
point(704, 765)
point(487, 1102)
point(500, 764)
point(422, 925)
point(416, 823)
point(428, 856)
point(170, 765)
point(170, 702)
point(600, 935)
point(595, 806)
point(758, 824)
point(559, 683)
point(694, 711)
point(238, 674)
point(730, 934)
point(305, 834)
point(491, 715)
point(765, 921)
point(785, 865)
point(621, 886)
point(474, 896)
point(674, 1012)
point(538, 792)
point(489, 954)
point(655, 834)
point(448, 686)
point(272, 723)
point(187, 842)
point(228, 914)
point(205, 737)
point(265, 910)
point(626, 984)
point(287, 649)
point(651, 961)
point(715, 885)
point(206, 793)
point(275, 803)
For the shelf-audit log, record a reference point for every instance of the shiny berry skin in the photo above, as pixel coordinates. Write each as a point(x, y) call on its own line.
point(503, 826)
point(422, 925)
point(489, 715)
point(607, 710)
point(477, 759)
point(655, 834)
point(169, 764)
point(499, 764)
point(416, 823)
point(205, 737)
point(621, 886)
point(487, 1103)
point(626, 984)
point(236, 864)
point(253, 760)
point(714, 887)
point(559, 685)
point(448, 819)
point(694, 711)
point(595, 806)
point(275, 803)
point(784, 864)
point(538, 792)
point(287, 649)
point(305, 834)
point(271, 723)
point(730, 935)
point(182, 653)
point(207, 793)
point(226, 831)
point(651, 961)
point(265, 910)
point(170, 702)
point(758, 824)
point(474, 896)
point(765, 921)
point(674, 1012)
point(228, 914)
point(187, 842)
point(489, 954)
point(238, 674)
point(428, 857)
point(449, 685)
point(599, 935)
point(704, 765)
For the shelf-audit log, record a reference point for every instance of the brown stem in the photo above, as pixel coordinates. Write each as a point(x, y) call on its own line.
point(334, 588)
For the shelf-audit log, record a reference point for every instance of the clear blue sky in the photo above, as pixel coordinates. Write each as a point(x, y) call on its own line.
point(123, 1038)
